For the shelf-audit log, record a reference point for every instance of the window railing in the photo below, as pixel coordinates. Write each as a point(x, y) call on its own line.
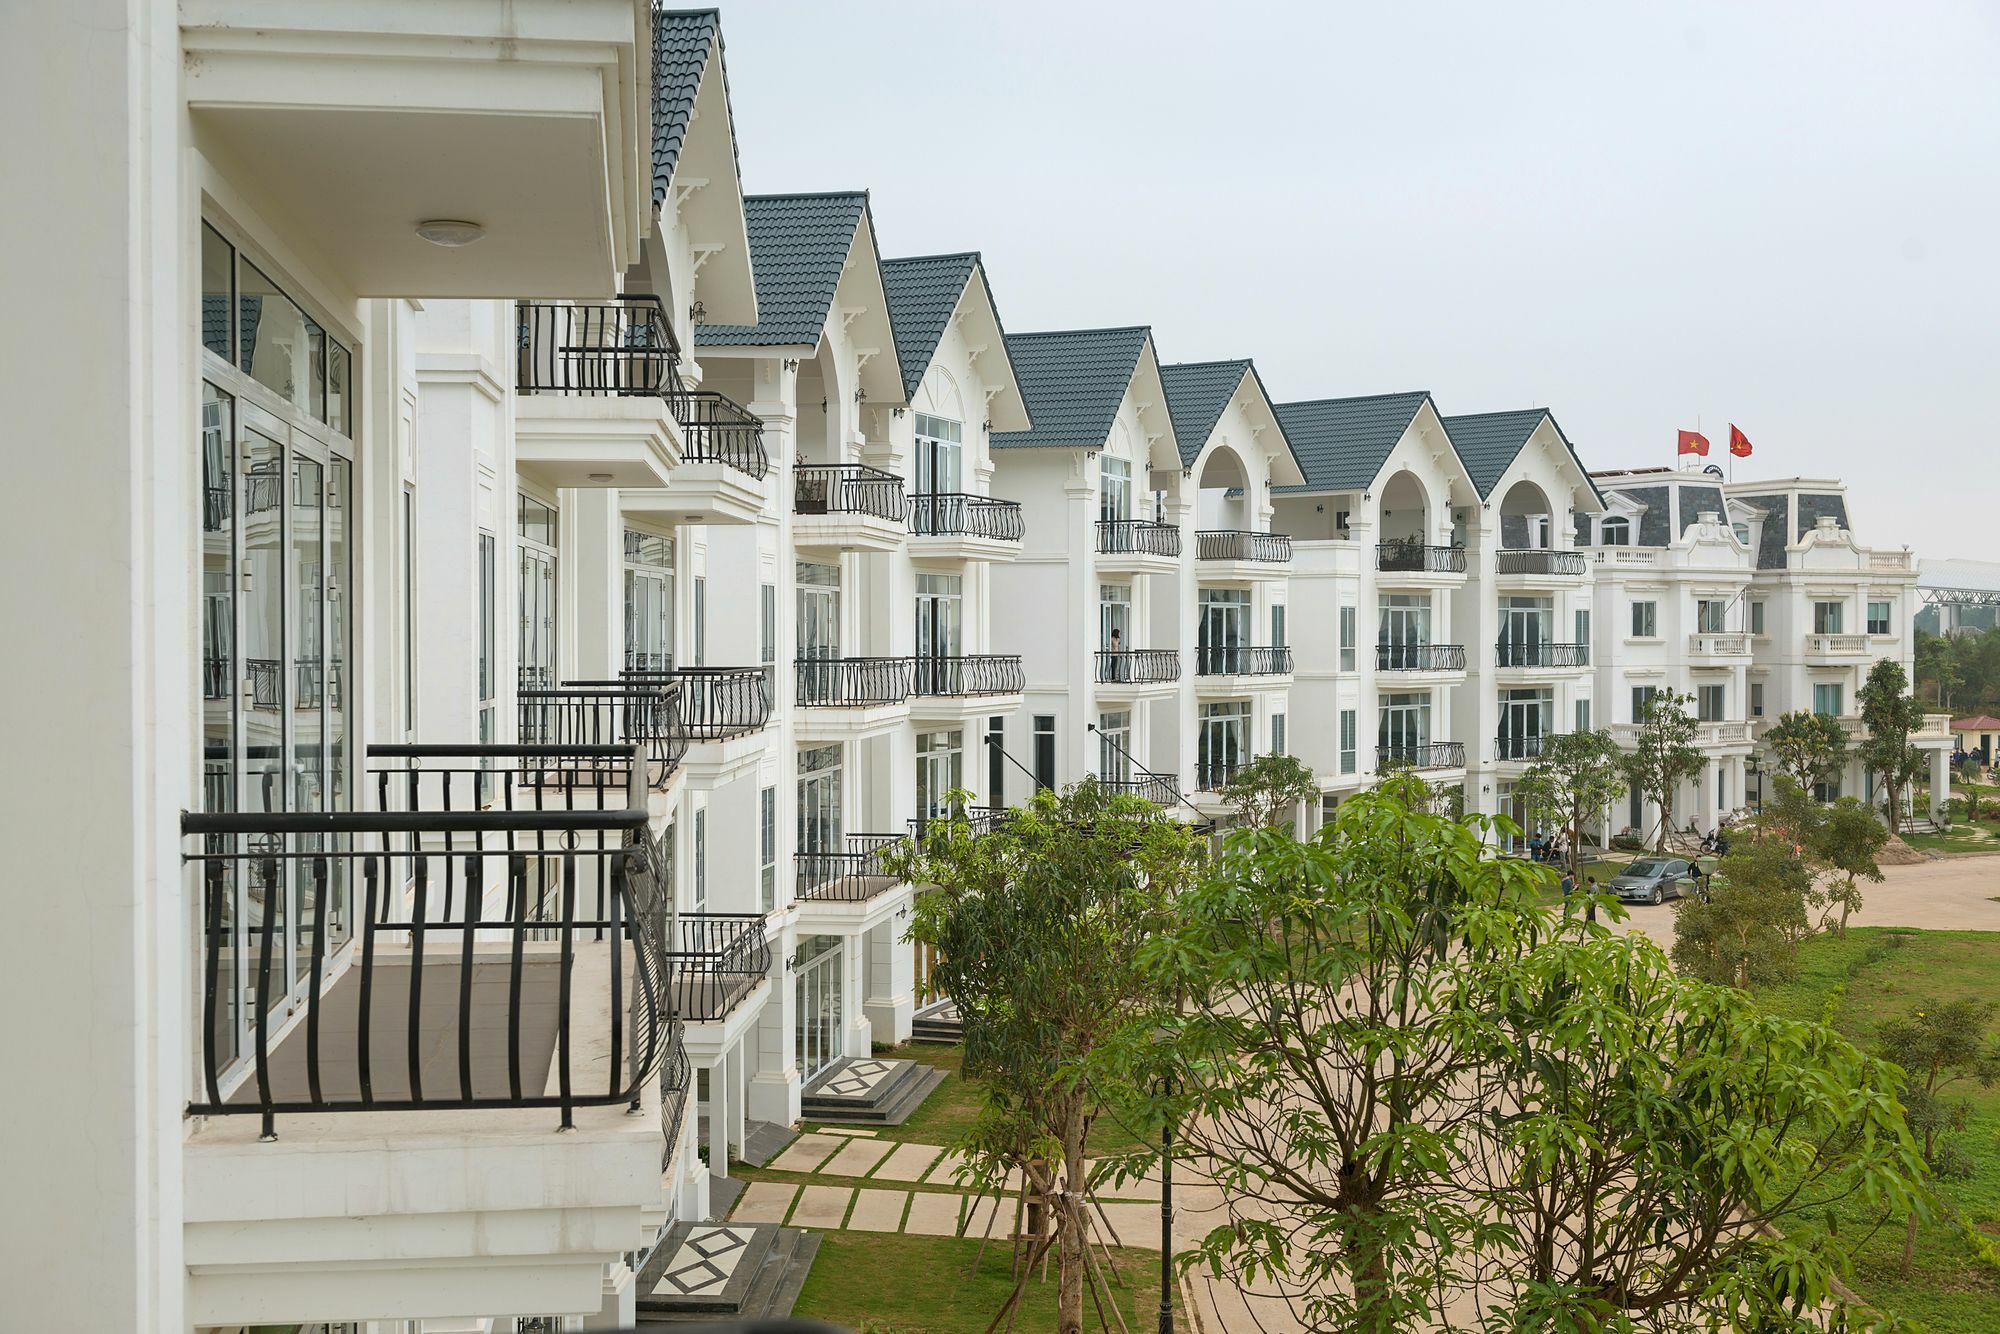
point(446, 955)
point(1137, 537)
point(718, 703)
point(1521, 745)
point(849, 488)
point(1540, 653)
point(1524, 560)
point(1416, 558)
point(1241, 660)
point(970, 674)
point(1420, 657)
point(643, 712)
point(852, 874)
point(1138, 666)
point(718, 958)
point(976, 819)
point(623, 348)
point(853, 682)
point(1214, 775)
point(954, 514)
point(717, 429)
point(1160, 789)
point(1435, 755)
point(1226, 544)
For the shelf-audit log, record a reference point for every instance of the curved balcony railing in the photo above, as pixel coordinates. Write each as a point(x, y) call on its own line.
point(1226, 544)
point(853, 682)
point(1420, 657)
point(716, 703)
point(676, 1081)
point(718, 429)
point(1416, 558)
point(1526, 560)
point(621, 348)
point(849, 488)
point(1214, 775)
point(1435, 755)
point(852, 874)
point(1160, 789)
point(1137, 537)
point(969, 675)
point(1241, 660)
point(1521, 746)
point(477, 972)
point(1138, 666)
point(717, 959)
point(1540, 653)
point(640, 711)
point(976, 819)
point(954, 514)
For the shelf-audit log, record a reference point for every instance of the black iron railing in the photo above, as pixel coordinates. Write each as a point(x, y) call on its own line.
point(976, 819)
point(1229, 544)
point(1214, 775)
point(853, 682)
point(849, 488)
point(642, 663)
point(1241, 660)
point(1416, 558)
point(267, 682)
point(969, 674)
point(622, 348)
point(534, 678)
point(717, 429)
point(214, 677)
point(717, 959)
point(1520, 560)
point(1520, 745)
point(639, 711)
point(1515, 653)
point(1420, 657)
point(439, 953)
point(1137, 537)
point(1138, 666)
point(955, 514)
point(852, 874)
point(718, 703)
point(215, 501)
point(676, 1081)
point(1435, 755)
point(1160, 789)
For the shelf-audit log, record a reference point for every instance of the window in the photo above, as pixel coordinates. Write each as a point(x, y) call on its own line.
point(488, 686)
point(1277, 734)
point(996, 760)
point(1583, 626)
point(1708, 613)
point(1347, 639)
point(1222, 638)
point(700, 621)
point(1114, 616)
point(1756, 618)
point(1223, 743)
point(1278, 625)
point(649, 602)
point(1045, 751)
point(1826, 618)
point(536, 533)
point(1583, 715)
point(939, 456)
point(1826, 699)
point(1708, 704)
point(1756, 699)
point(409, 554)
point(1642, 696)
point(1403, 733)
point(767, 637)
point(278, 344)
point(1616, 532)
point(701, 860)
point(1115, 489)
point(767, 847)
point(819, 799)
point(1645, 620)
point(1347, 731)
point(1878, 618)
point(940, 772)
point(218, 292)
point(1114, 746)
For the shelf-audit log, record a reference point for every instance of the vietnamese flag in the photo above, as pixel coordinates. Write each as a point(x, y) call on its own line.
point(1739, 443)
point(1694, 442)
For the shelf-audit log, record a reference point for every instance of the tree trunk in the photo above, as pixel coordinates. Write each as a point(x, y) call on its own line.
point(1071, 1237)
point(1371, 1284)
point(1909, 1243)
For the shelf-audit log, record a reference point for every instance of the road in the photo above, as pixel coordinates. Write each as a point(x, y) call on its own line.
point(1955, 894)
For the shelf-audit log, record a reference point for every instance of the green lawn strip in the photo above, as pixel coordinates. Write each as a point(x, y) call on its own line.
point(1869, 975)
point(1960, 838)
point(948, 1113)
point(878, 1283)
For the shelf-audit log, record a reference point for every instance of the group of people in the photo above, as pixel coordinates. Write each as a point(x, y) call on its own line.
point(1547, 848)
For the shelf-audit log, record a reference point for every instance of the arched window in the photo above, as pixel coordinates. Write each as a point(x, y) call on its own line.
point(1615, 532)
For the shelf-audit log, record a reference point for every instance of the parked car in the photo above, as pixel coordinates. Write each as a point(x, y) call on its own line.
point(1653, 880)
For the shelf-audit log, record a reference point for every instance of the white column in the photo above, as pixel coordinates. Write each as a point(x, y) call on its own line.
point(620, 1308)
point(1940, 783)
point(857, 1034)
point(891, 977)
point(718, 1119)
point(597, 548)
point(774, 1079)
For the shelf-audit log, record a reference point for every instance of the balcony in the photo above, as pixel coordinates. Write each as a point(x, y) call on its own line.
point(854, 683)
point(1518, 566)
point(1214, 775)
point(1719, 647)
point(718, 960)
point(974, 820)
point(641, 712)
point(1512, 747)
point(1420, 657)
point(1540, 655)
point(1417, 563)
point(1138, 667)
point(852, 874)
point(1224, 666)
point(1160, 789)
point(1137, 546)
point(723, 472)
point(956, 526)
point(1834, 649)
point(1433, 755)
point(965, 685)
point(358, 121)
point(721, 703)
point(1242, 557)
point(594, 383)
point(848, 507)
point(1707, 736)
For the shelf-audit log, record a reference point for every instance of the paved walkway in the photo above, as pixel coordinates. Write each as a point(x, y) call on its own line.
point(1955, 894)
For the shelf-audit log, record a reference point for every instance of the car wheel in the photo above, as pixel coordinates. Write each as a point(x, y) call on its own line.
point(1659, 896)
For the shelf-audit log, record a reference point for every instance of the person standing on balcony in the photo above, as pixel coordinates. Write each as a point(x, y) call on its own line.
point(1117, 647)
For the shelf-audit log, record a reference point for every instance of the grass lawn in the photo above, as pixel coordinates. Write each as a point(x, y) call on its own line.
point(952, 1106)
point(1963, 837)
point(900, 1284)
point(1870, 975)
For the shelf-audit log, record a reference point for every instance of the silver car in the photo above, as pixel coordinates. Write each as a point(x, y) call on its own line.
point(1653, 880)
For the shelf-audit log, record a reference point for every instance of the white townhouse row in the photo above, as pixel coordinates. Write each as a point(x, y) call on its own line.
point(454, 779)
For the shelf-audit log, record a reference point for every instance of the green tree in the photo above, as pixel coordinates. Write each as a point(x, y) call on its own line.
point(1968, 774)
point(1268, 791)
point(1746, 929)
point(1665, 755)
point(1575, 777)
point(1890, 714)
point(1936, 668)
point(1037, 927)
point(1940, 1044)
point(1809, 746)
point(1846, 843)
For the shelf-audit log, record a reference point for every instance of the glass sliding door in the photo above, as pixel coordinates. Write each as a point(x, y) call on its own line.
point(1526, 718)
point(1525, 628)
point(816, 1040)
point(940, 772)
point(649, 602)
point(1224, 631)
point(536, 534)
point(940, 612)
point(940, 456)
point(818, 627)
point(1224, 741)
point(1405, 728)
point(819, 799)
point(1114, 746)
point(1404, 630)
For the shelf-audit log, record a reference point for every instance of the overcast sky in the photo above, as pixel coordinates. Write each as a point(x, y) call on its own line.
point(1787, 216)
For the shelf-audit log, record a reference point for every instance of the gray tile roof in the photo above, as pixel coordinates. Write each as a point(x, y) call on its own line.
point(1197, 394)
point(923, 291)
point(1341, 443)
point(798, 244)
point(1072, 381)
point(1488, 443)
point(682, 39)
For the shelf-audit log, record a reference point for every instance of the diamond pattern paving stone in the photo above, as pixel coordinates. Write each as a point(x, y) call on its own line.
point(909, 1162)
point(933, 1215)
point(764, 1202)
point(856, 1159)
point(702, 1266)
point(878, 1211)
point(822, 1206)
point(857, 1079)
point(807, 1152)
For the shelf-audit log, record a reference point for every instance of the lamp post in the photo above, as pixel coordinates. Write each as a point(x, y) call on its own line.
point(1756, 772)
point(1166, 1089)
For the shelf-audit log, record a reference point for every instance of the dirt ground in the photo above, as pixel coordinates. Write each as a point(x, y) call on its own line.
point(1954, 894)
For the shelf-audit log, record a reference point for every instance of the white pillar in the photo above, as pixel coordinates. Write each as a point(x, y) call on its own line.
point(718, 1119)
point(621, 1292)
point(891, 979)
point(1940, 784)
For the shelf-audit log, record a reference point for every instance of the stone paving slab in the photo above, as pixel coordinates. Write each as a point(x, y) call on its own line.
point(983, 1211)
point(908, 1162)
point(807, 1152)
point(946, 1171)
point(878, 1210)
point(822, 1207)
point(764, 1202)
point(933, 1215)
point(1137, 1225)
point(857, 1159)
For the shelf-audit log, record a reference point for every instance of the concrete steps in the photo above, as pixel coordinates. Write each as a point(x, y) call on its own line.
point(737, 1271)
point(888, 1103)
point(938, 1023)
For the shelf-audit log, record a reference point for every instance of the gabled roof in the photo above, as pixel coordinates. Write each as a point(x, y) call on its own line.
point(1073, 381)
point(924, 291)
point(682, 40)
point(1979, 723)
point(1489, 442)
point(1342, 443)
point(1199, 392)
point(798, 246)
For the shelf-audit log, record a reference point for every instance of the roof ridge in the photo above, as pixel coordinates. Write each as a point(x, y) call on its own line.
point(810, 194)
point(662, 11)
point(1216, 361)
point(1103, 329)
point(1356, 398)
point(942, 254)
point(1497, 412)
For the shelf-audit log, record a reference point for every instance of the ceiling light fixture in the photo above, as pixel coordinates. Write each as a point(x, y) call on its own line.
point(600, 477)
point(450, 232)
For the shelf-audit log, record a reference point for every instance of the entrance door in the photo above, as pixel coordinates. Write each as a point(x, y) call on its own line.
point(816, 1043)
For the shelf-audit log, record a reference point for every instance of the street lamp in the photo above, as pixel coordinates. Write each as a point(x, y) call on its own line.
point(1165, 1089)
point(1756, 772)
